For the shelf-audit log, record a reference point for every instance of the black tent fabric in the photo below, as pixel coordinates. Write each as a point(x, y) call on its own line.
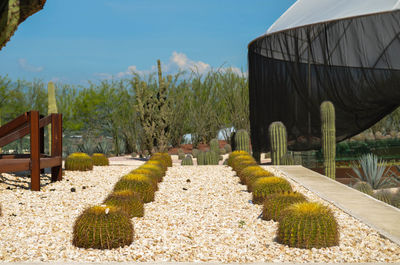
point(353, 62)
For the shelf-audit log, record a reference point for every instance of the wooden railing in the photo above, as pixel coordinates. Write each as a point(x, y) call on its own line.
point(32, 123)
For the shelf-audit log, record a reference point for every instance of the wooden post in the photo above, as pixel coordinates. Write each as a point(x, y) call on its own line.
point(35, 150)
point(56, 144)
point(41, 144)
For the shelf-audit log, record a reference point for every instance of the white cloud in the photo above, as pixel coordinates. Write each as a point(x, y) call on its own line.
point(177, 62)
point(23, 63)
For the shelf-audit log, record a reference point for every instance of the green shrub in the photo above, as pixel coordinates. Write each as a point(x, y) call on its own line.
point(263, 187)
point(137, 183)
point(100, 160)
point(275, 203)
point(102, 227)
point(308, 225)
point(187, 161)
point(78, 162)
point(181, 154)
point(128, 201)
point(363, 187)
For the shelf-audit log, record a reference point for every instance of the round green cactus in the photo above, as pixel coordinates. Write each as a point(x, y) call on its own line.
point(187, 161)
point(100, 160)
point(159, 164)
point(78, 162)
point(364, 187)
point(222, 151)
point(164, 158)
point(157, 171)
point(235, 154)
point(128, 201)
point(275, 203)
point(384, 196)
point(102, 227)
point(263, 187)
point(212, 158)
point(195, 152)
point(148, 173)
point(201, 158)
point(241, 162)
point(137, 183)
point(250, 174)
point(228, 148)
point(308, 225)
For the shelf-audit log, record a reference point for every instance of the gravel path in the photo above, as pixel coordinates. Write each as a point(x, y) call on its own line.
point(200, 214)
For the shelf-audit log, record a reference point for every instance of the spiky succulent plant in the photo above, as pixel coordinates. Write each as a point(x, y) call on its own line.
point(195, 152)
point(78, 162)
point(275, 203)
point(181, 154)
point(128, 201)
point(164, 158)
point(263, 187)
point(201, 158)
point(157, 171)
point(100, 159)
point(234, 154)
point(148, 173)
point(137, 183)
point(102, 227)
point(308, 225)
point(384, 196)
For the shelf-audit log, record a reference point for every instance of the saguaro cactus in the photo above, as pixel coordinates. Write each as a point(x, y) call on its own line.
point(328, 138)
point(278, 141)
point(242, 141)
point(51, 106)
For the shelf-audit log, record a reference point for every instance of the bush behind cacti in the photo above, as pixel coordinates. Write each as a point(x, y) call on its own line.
point(308, 225)
point(263, 187)
point(137, 183)
point(275, 203)
point(78, 162)
point(128, 201)
point(100, 160)
point(102, 227)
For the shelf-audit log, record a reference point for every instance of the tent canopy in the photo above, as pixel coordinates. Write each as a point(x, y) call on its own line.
point(347, 52)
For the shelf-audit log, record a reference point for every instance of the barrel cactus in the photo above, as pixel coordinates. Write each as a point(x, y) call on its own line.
point(158, 163)
point(102, 227)
point(234, 154)
point(148, 173)
point(158, 173)
point(137, 183)
point(278, 142)
point(308, 225)
point(212, 158)
point(384, 196)
point(100, 160)
point(275, 203)
point(242, 141)
point(214, 145)
point(195, 152)
point(187, 161)
point(128, 201)
point(364, 187)
point(78, 162)
point(201, 158)
point(222, 151)
point(328, 138)
point(263, 187)
point(252, 173)
point(164, 158)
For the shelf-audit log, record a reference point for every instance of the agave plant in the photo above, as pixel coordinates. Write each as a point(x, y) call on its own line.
point(374, 171)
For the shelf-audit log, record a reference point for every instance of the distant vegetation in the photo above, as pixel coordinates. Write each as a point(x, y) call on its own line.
point(125, 113)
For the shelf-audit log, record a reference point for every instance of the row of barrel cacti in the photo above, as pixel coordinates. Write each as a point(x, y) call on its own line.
point(84, 162)
point(302, 224)
point(382, 195)
point(109, 225)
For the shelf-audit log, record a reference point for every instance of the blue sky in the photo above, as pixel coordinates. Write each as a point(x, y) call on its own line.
point(73, 41)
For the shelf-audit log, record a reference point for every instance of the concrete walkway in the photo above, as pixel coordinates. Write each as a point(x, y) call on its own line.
point(378, 215)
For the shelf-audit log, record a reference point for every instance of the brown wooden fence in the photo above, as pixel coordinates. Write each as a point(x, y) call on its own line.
point(32, 123)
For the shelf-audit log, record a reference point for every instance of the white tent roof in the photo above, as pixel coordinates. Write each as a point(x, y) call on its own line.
point(305, 12)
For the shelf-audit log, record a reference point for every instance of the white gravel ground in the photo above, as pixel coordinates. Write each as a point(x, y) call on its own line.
point(200, 214)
